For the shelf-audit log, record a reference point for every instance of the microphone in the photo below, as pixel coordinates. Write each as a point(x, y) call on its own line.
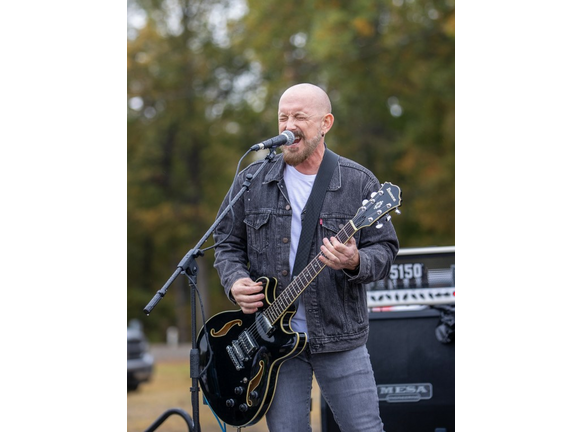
point(286, 138)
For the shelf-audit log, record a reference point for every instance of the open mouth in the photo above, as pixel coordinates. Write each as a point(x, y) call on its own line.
point(297, 138)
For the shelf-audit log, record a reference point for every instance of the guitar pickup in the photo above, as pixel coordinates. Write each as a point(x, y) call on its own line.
point(264, 324)
point(248, 343)
point(243, 357)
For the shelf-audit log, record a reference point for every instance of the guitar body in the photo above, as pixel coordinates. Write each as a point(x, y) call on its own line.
point(247, 352)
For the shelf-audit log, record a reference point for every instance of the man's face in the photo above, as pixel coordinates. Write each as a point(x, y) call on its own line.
point(302, 118)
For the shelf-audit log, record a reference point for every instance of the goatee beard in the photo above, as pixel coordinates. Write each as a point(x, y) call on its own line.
point(296, 158)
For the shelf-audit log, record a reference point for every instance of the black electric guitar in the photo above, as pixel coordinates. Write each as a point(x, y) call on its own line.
point(244, 352)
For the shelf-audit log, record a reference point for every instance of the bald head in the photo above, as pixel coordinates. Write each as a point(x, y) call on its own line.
point(318, 98)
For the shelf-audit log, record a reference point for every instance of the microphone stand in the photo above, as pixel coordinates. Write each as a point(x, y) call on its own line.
point(188, 267)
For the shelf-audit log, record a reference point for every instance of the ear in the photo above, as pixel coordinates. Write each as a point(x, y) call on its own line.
point(327, 123)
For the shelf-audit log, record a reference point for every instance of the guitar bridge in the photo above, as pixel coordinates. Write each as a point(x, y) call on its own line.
point(242, 349)
point(233, 357)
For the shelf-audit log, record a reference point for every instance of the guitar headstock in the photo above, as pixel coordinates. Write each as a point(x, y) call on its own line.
point(388, 198)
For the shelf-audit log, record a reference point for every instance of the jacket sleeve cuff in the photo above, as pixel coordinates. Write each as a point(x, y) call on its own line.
point(230, 282)
point(360, 271)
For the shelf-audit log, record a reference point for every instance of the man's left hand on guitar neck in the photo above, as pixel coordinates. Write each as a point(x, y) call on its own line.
point(339, 256)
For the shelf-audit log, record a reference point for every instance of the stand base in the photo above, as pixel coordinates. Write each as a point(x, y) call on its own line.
point(168, 413)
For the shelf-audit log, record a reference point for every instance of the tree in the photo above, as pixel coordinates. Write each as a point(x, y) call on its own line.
point(182, 82)
point(204, 79)
point(389, 69)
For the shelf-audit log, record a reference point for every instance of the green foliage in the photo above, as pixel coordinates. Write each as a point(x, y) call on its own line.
point(203, 87)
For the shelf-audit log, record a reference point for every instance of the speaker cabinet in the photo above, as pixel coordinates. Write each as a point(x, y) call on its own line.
point(415, 373)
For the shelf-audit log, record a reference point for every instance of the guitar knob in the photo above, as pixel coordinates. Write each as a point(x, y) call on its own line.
point(254, 395)
point(243, 407)
point(239, 390)
point(230, 403)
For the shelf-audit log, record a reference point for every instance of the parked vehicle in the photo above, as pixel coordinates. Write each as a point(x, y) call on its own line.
point(140, 363)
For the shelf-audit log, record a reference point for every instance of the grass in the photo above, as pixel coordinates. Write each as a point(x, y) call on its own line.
point(170, 388)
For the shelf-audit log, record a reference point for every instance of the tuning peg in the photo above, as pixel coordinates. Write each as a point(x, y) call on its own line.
point(388, 218)
point(397, 211)
point(365, 202)
point(373, 194)
point(379, 225)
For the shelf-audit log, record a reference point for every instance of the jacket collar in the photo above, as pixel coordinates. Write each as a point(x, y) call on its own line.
point(277, 170)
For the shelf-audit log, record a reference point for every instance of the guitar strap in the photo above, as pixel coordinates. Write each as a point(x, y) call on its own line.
point(313, 208)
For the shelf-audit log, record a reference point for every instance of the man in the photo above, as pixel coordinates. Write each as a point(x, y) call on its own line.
point(260, 239)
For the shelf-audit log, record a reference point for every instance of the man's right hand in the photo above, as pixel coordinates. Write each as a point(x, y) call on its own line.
point(248, 294)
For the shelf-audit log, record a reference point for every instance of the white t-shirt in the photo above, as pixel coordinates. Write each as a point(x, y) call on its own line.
point(298, 188)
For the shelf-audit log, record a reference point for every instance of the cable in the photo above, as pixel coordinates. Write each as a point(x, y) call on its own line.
point(229, 201)
point(223, 424)
point(204, 323)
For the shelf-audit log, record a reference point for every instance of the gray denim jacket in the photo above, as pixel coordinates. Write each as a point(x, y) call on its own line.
point(335, 301)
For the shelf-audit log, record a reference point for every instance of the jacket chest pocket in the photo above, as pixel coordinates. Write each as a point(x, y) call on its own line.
point(331, 226)
point(258, 231)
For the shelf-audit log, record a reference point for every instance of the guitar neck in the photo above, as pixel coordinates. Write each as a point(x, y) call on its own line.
point(303, 279)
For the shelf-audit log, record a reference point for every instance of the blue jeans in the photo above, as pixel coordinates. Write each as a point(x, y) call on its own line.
point(346, 381)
